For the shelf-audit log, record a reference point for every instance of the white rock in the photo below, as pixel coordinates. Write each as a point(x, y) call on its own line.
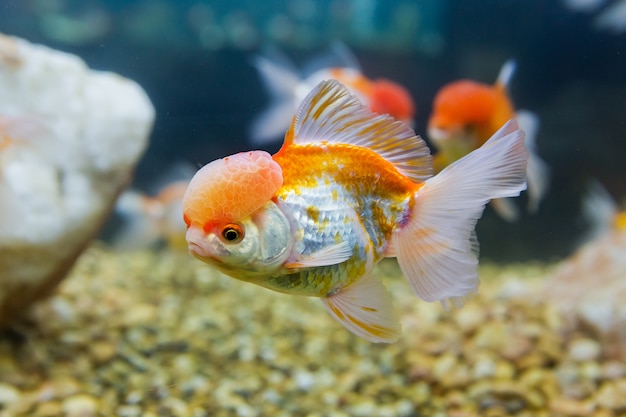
point(69, 140)
point(8, 394)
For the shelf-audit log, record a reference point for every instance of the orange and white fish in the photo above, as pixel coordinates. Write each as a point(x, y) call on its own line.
point(465, 115)
point(151, 220)
point(288, 88)
point(602, 213)
point(348, 188)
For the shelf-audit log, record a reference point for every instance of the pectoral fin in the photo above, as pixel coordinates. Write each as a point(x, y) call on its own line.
point(331, 255)
point(365, 309)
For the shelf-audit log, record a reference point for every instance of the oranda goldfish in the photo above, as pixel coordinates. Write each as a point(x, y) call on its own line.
point(287, 88)
point(151, 220)
point(348, 188)
point(602, 212)
point(465, 115)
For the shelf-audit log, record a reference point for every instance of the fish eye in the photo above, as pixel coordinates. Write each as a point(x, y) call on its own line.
point(232, 233)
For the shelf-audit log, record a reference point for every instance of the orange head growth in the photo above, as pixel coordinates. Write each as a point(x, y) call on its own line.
point(463, 102)
point(391, 98)
point(231, 188)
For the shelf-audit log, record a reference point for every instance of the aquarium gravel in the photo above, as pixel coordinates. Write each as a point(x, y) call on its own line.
point(159, 334)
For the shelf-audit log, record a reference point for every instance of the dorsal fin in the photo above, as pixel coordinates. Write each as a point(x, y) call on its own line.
point(330, 114)
point(506, 74)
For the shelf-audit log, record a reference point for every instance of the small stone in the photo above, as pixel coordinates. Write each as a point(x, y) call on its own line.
point(612, 395)
point(8, 395)
point(581, 350)
point(80, 406)
point(567, 407)
point(364, 408)
point(176, 406)
point(470, 317)
point(102, 351)
point(484, 367)
point(613, 370)
point(129, 411)
point(140, 314)
point(49, 409)
point(443, 365)
point(304, 380)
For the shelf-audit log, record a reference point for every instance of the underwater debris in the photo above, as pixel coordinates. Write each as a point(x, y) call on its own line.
point(70, 139)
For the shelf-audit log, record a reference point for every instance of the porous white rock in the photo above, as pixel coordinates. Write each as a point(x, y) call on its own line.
point(69, 140)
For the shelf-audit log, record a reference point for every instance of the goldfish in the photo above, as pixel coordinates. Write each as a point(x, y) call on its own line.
point(151, 218)
point(588, 287)
point(602, 212)
point(348, 188)
point(287, 88)
point(465, 115)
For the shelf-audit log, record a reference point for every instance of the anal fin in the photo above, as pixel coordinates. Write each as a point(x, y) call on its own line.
point(366, 310)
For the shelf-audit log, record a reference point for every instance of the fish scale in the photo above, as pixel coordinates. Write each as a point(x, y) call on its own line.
point(356, 209)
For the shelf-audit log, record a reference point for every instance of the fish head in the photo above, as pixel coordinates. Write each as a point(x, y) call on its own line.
point(388, 97)
point(460, 110)
point(232, 221)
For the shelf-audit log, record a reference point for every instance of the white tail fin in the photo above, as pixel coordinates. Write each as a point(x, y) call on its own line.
point(140, 228)
point(537, 172)
point(506, 73)
point(281, 81)
point(436, 250)
point(337, 56)
point(599, 210)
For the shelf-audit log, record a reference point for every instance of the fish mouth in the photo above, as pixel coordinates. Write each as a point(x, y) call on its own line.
point(195, 249)
point(195, 238)
point(438, 134)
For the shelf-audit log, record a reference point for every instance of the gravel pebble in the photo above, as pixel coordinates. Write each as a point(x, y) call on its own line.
point(149, 334)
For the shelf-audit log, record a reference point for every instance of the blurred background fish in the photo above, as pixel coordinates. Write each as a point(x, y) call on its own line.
point(466, 113)
point(317, 229)
point(606, 15)
point(601, 212)
point(287, 87)
point(589, 286)
point(149, 219)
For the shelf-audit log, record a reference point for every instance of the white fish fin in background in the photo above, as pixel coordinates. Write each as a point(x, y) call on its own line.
point(537, 171)
point(281, 80)
point(139, 229)
point(365, 308)
point(599, 210)
point(338, 56)
point(178, 171)
point(331, 114)
point(506, 73)
point(583, 6)
point(436, 249)
point(506, 209)
point(613, 18)
point(330, 255)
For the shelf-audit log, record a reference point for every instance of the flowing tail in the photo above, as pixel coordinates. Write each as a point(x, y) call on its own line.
point(437, 249)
